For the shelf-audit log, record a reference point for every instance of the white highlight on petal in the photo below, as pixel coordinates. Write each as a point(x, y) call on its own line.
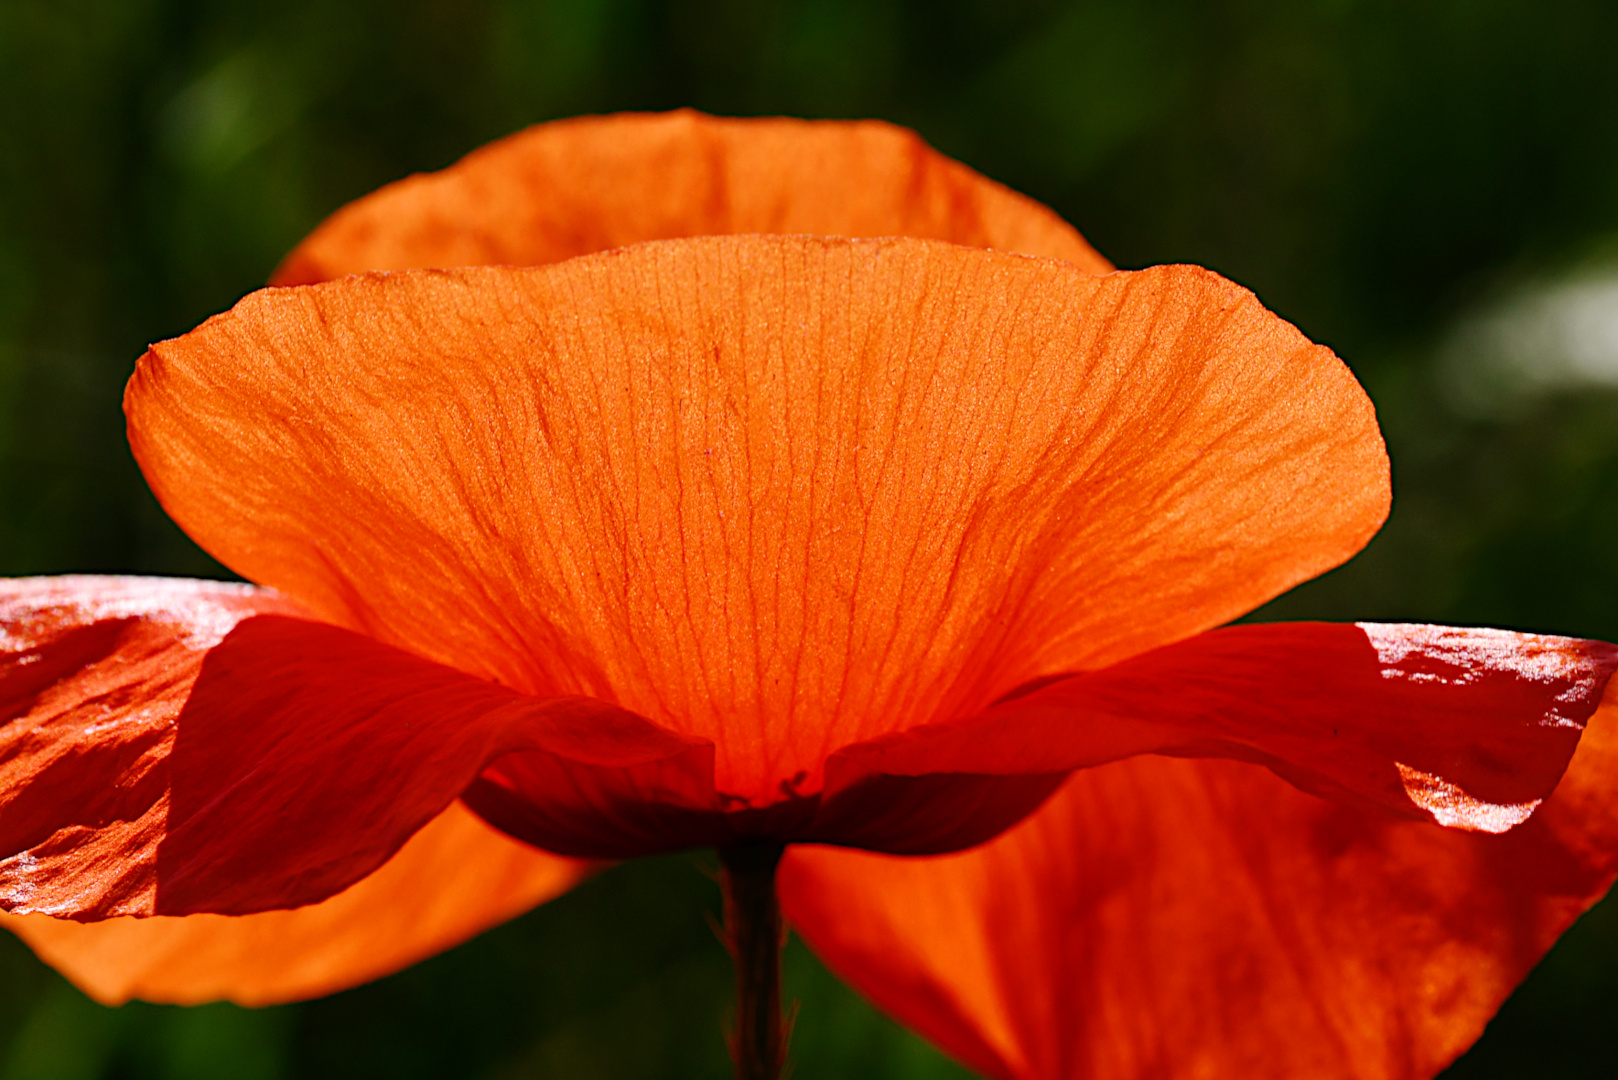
point(18, 870)
point(1457, 656)
point(1455, 809)
point(194, 606)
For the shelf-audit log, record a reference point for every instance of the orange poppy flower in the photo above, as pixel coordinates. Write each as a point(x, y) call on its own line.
point(881, 548)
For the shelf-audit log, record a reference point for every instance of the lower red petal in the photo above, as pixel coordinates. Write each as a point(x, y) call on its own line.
point(561, 806)
point(454, 879)
point(183, 747)
point(1466, 727)
point(1169, 917)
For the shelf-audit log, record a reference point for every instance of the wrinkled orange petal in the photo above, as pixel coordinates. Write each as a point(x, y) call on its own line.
point(98, 669)
point(584, 185)
point(1164, 917)
point(181, 747)
point(452, 880)
point(783, 493)
point(1467, 727)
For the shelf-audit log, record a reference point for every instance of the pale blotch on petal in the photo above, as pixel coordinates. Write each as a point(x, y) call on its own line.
point(202, 608)
point(1453, 808)
point(1458, 656)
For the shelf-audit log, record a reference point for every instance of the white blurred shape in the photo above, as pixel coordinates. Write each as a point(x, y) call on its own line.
point(1544, 339)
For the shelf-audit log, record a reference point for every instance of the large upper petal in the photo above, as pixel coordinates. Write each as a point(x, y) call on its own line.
point(578, 186)
point(783, 493)
point(1167, 917)
point(452, 880)
point(182, 747)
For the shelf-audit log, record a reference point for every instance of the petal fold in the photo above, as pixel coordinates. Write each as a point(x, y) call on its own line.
point(179, 747)
point(451, 881)
point(1467, 727)
point(1172, 917)
point(781, 493)
point(584, 185)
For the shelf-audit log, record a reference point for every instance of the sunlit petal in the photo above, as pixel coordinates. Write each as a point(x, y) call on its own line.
point(183, 747)
point(781, 493)
point(1164, 917)
point(584, 185)
point(454, 879)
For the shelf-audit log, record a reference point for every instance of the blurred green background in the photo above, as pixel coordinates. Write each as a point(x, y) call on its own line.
point(1431, 188)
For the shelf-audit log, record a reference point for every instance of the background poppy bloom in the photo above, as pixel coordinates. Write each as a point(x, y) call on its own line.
point(1066, 478)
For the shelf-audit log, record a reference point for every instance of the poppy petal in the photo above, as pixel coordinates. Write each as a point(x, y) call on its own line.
point(181, 747)
point(1468, 727)
point(94, 670)
point(578, 186)
point(1169, 917)
point(781, 493)
point(451, 881)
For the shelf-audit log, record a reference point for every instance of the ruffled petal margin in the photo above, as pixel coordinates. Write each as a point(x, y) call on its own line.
point(579, 186)
point(1164, 917)
point(170, 748)
point(451, 881)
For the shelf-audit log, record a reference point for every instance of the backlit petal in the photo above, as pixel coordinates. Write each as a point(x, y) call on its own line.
point(180, 747)
point(1164, 917)
point(783, 493)
point(454, 879)
point(93, 673)
point(579, 186)
point(1468, 727)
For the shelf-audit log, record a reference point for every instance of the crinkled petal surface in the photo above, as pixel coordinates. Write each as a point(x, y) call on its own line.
point(780, 493)
point(579, 186)
point(93, 674)
point(1167, 917)
point(454, 879)
point(169, 748)
point(1470, 728)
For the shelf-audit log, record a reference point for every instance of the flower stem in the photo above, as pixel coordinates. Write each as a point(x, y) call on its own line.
point(753, 926)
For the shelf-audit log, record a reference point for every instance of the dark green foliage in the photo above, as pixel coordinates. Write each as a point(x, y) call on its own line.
point(1375, 169)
